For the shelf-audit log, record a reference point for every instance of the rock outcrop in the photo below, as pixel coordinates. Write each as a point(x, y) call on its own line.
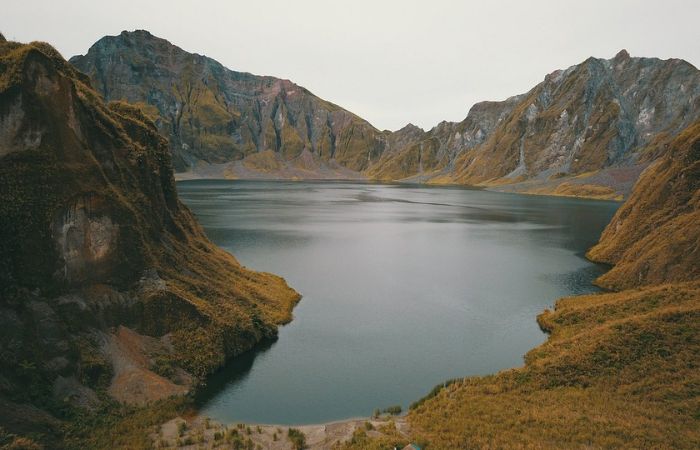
point(97, 252)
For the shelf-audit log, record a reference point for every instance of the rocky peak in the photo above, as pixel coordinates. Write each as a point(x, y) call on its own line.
point(621, 56)
point(409, 128)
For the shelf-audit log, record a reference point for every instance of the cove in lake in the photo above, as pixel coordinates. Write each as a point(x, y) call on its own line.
point(403, 287)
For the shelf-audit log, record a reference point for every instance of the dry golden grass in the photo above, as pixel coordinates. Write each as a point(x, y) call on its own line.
point(567, 189)
point(619, 370)
point(655, 237)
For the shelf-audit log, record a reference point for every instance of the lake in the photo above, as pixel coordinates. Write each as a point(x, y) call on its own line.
point(403, 287)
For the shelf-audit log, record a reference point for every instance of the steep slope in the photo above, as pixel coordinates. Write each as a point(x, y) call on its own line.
point(215, 116)
point(619, 370)
point(655, 237)
point(600, 115)
point(108, 286)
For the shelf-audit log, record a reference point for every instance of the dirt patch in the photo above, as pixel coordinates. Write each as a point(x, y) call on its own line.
point(134, 382)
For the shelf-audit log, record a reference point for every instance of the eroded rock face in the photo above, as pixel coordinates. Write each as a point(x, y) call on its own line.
point(86, 239)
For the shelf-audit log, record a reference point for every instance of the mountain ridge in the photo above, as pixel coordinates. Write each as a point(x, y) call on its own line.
point(585, 131)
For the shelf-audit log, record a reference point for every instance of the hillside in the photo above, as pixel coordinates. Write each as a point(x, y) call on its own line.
point(589, 130)
point(620, 369)
point(109, 289)
point(223, 123)
point(653, 238)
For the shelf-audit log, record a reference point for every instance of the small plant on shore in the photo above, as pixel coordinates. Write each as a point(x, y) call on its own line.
point(297, 438)
point(376, 413)
point(434, 392)
point(181, 428)
point(369, 426)
point(235, 440)
point(393, 410)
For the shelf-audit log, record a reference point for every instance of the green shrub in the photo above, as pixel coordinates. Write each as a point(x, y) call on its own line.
point(393, 410)
point(297, 438)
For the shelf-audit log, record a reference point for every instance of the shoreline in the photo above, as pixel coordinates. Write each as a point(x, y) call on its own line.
point(197, 430)
point(501, 189)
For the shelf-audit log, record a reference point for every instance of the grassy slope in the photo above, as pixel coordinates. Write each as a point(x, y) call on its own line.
point(654, 237)
point(619, 370)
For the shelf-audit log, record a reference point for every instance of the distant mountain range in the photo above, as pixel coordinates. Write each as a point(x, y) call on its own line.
point(587, 130)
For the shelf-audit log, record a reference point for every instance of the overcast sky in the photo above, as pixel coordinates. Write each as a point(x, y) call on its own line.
point(391, 62)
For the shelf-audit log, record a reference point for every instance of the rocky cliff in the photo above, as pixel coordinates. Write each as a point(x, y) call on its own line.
point(592, 126)
point(108, 286)
point(214, 116)
point(588, 130)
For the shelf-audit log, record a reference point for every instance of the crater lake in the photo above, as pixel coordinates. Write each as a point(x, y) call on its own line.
point(403, 286)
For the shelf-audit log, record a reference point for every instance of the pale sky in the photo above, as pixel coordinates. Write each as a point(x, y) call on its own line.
point(391, 62)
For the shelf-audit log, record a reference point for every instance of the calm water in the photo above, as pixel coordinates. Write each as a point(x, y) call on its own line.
point(403, 287)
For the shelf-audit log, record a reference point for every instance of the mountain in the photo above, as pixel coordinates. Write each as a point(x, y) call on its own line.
point(619, 369)
point(108, 286)
point(214, 116)
point(589, 130)
point(593, 126)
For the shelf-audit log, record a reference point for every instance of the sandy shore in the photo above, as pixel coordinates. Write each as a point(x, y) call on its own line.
point(200, 432)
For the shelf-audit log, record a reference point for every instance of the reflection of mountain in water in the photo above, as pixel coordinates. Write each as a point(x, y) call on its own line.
point(232, 373)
